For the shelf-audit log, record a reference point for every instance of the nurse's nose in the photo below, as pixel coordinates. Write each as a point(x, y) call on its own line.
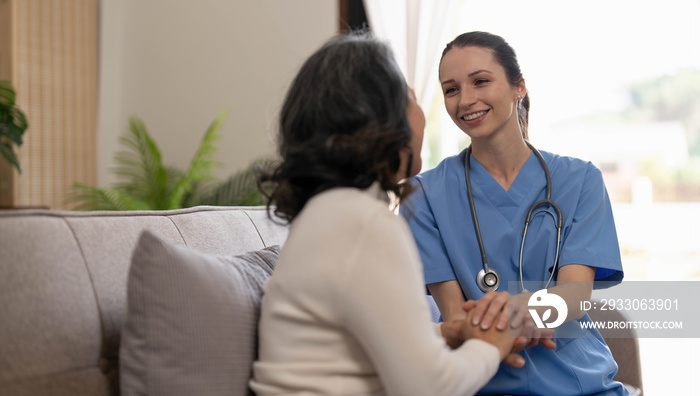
point(468, 97)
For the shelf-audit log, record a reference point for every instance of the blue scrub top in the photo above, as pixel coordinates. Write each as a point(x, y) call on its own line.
point(443, 228)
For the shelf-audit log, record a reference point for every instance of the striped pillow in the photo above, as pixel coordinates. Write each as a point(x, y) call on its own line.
point(191, 323)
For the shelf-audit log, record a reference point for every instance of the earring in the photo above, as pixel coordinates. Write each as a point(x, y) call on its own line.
point(521, 96)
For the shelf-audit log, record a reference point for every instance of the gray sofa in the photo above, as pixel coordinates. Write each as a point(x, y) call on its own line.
point(63, 287)
point(63, 279)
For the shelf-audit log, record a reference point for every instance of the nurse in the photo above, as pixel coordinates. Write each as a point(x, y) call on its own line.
point(486, 97)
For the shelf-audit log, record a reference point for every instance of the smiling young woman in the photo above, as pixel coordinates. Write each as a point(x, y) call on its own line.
point(486, 97)
point(510, 186)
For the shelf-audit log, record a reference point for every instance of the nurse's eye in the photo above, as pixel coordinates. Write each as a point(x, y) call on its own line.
point(481, 81)
point(450, 90)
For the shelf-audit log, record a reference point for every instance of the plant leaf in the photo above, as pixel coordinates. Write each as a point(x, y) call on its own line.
point(13, 124)
point(142, 168)
point(7, 95)
point(12, 132)
point(202, 164)
point(144, 182)
point(241, 189)
point(9, 155)
point(93, 198)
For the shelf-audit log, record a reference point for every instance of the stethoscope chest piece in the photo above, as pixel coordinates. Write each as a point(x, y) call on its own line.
point(488, 280)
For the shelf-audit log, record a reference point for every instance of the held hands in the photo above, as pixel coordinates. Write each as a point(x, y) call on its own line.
point(488, 319)
point(457, 331)
point(498, 338)
point(495, 309)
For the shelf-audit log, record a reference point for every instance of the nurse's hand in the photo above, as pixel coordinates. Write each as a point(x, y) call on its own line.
point(514, 360)
point(489, 309)
point(518, 317)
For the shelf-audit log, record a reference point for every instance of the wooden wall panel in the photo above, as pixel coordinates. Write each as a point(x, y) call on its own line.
point(7, 174)
point(55, 76)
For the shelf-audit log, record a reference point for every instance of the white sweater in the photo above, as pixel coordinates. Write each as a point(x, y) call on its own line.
point(345, 312)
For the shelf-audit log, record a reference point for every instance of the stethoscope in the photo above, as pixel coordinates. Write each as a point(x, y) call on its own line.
point(488, 279)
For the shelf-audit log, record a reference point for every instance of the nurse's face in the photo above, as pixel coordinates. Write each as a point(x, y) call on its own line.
point(416, 119)
point(478, 96)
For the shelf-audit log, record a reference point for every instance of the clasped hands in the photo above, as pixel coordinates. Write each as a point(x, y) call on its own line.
point(504, 321)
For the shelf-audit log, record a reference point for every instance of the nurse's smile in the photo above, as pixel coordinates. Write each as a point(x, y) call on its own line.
point(472, 119)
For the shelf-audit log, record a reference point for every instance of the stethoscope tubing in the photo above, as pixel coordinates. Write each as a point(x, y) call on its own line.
point(488, 273)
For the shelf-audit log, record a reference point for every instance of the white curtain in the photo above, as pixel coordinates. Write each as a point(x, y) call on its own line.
point(417, 31)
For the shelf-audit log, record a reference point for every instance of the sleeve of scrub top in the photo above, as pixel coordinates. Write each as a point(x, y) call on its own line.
point(384, 309)
point(592, 238)
point(419, 215)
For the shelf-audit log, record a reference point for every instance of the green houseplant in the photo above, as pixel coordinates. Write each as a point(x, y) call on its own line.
point(13, 124)
point(240, 189)
point(145, 183)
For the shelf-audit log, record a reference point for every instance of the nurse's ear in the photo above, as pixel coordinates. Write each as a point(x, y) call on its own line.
point(520, 90)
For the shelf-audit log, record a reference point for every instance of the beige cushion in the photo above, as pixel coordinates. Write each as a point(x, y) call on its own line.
point(191, 319)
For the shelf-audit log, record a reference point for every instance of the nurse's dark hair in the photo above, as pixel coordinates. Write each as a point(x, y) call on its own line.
point(505, 56)
point(343, 123)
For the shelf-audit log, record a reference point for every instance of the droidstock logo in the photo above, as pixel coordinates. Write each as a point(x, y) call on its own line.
point(543, 299)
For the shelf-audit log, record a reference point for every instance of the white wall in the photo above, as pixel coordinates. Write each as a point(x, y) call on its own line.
point(176, 64)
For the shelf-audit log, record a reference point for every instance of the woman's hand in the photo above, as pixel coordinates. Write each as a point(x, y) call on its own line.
point(499, 338)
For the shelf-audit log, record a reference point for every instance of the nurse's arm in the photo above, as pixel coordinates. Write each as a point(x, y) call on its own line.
point(449, 299)
point(574, 284)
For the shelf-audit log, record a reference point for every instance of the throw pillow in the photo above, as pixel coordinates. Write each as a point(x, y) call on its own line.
point(191, 323)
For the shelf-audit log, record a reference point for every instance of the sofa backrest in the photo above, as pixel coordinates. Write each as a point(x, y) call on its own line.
point(63, 286)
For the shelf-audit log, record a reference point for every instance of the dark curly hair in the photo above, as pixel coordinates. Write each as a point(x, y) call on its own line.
point(505, 56)
point(342, 124)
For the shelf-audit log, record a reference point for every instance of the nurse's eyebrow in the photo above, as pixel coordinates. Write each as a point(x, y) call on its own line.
point(472, 74)
point(479, 71)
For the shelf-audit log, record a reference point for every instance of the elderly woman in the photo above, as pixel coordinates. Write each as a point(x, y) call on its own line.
point(345, 312)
